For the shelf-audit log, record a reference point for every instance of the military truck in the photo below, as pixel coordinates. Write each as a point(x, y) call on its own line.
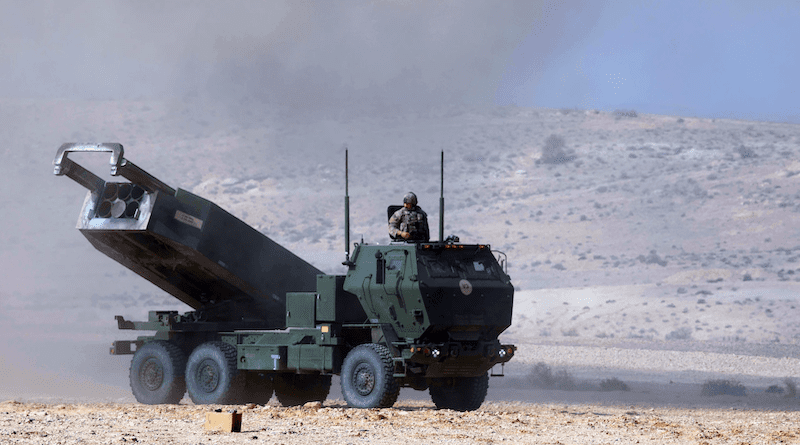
point(425, 315)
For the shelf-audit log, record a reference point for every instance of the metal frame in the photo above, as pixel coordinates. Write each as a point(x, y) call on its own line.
point(119, 167)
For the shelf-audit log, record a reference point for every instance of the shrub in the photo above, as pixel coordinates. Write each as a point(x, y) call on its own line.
point(570, 333)
point(791, 387)
point(613, 384)
point(723, 387)
point(542, 376)
point(774, 389)
point(619, 114)
point(564, 381)
point(553, 151)
point(652, 258)
point(746, 152)
point(683, 333)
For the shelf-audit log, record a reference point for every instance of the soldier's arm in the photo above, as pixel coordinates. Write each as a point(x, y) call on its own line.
point(394, 225)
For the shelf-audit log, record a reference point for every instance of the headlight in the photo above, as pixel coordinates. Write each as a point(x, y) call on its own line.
point(502, 353)
point(435, 353)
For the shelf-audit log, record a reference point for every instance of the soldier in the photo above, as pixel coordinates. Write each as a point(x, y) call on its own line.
point(410, 222)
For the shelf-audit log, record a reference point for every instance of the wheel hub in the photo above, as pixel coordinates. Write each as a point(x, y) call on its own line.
point(152, 374)
point(207, 375)
point(364, 379)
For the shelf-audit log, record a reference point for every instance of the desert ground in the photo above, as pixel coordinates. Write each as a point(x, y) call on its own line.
point(659, 251)
point(409, 422)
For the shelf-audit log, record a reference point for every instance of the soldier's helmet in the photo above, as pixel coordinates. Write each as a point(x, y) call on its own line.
point(410, 198)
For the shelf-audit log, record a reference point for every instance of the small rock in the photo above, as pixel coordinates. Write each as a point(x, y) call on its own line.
point(313, 405)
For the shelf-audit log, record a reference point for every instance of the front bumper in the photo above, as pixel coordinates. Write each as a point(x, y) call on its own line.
point(459, 359)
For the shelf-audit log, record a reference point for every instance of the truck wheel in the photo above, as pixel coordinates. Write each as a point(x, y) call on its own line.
point(211, 374)
point(367, 377)
point(299, 389)
point(156, 373)
point(460, 393)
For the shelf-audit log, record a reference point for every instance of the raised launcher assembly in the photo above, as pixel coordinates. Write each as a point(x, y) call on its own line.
point(188, 246)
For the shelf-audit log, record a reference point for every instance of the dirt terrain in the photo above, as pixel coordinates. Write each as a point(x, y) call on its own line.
point(409, 422)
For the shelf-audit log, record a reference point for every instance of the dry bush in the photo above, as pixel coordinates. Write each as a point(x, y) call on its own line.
point(683, 333)
point(723, 387)
point(619, 114)
point(564, 381)
point(613, 384)
point(791, 387)
point(542, 376)
point(774, 389)
point(572, 332)
point(746, 152)
point(652, 258)
point(554, 151)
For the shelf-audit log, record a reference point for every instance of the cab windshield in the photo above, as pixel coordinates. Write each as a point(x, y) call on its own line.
point(462, 263)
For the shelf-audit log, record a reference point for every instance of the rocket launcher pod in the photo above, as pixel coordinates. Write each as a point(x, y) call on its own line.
point(186, 245)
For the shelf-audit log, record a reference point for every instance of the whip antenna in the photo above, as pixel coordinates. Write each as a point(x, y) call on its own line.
point(346, 212)
point(441, 203)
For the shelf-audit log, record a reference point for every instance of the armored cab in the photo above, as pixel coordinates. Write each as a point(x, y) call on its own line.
point(452, 299)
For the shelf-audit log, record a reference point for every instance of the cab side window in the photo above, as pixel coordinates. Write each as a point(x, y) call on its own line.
point(395, 264)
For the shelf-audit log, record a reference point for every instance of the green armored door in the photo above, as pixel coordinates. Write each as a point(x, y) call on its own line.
point(395, 271)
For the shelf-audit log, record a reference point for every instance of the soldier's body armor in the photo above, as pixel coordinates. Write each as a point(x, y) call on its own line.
point(413, 221)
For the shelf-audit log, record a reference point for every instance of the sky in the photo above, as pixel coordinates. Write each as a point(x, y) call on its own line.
point(726, 59)
point(697, 58)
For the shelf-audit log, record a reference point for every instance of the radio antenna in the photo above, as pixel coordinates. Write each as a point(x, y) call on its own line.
point(346, 211)
point(441, 203)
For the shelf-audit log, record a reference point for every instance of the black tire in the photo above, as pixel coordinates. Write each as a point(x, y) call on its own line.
point(368, 377)
point(211, 374)
point(460, 393)
point(156, 373)
point(299, 389)
point(258, 388)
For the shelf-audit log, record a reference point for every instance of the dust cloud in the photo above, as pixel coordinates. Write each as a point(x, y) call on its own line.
point(300, 55)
